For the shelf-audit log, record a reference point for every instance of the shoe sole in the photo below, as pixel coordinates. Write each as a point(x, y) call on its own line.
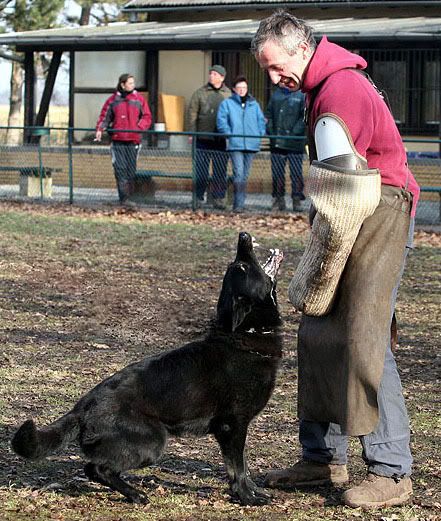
point(404, 498)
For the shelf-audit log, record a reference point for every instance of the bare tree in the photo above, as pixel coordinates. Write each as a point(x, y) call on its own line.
point(28, 15)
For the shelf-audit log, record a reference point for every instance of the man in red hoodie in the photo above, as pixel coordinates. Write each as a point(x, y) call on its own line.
point(126, 109)
point(348, 379)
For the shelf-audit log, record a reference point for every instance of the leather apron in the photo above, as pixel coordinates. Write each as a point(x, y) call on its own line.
point(341, 355)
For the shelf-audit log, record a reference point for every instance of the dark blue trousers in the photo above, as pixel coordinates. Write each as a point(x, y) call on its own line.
point(124, 158)
point(279, 158)
point(211, 152)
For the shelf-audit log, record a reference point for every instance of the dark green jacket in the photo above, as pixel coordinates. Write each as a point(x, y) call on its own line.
point(285, 118)
point(202, 110)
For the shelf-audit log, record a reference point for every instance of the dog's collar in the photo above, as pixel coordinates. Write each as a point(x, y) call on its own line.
point(262, 331)
point(261, 354)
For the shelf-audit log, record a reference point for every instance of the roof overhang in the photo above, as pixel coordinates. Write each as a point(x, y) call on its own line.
point(235, 34)
point(191, 5)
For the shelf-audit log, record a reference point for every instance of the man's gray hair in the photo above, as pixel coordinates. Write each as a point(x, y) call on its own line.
point(285, 30)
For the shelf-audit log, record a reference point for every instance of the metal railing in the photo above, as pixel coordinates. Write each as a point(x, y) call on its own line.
point(173, 171)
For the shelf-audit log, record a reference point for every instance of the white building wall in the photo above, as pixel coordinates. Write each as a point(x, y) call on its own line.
point(180, 73)
point(102, 70)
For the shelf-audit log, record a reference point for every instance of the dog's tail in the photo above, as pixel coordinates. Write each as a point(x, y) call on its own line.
point(32, 443)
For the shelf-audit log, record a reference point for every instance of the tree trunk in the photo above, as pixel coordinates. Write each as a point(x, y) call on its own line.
point(85, 15)
point(13, 136)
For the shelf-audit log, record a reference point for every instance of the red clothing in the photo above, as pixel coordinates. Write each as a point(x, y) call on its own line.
point(130, 112)
point(349, 95)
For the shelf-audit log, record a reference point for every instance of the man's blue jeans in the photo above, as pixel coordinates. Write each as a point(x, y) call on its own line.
point(206, 152)
point(279, 158)
point(241, 160)
point(386, 451)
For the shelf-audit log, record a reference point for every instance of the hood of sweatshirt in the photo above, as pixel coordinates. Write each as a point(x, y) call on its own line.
point(327, 59)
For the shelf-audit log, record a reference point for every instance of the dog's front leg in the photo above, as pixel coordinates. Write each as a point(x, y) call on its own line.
point(231, 438)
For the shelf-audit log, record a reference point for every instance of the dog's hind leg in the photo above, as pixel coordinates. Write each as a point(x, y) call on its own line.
point(108, 477)
point(128, 445)
point(231, 437)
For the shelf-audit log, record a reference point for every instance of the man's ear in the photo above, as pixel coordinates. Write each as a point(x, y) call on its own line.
point(241, 308)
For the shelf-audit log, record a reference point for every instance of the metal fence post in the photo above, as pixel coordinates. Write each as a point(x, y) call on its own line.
point(70, 162)
point(38, 133)
point(194, 172)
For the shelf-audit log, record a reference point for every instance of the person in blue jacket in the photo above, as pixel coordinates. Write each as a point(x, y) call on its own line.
point(242, 116)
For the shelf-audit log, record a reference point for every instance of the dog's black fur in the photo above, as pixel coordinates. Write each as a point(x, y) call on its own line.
point(216, 385)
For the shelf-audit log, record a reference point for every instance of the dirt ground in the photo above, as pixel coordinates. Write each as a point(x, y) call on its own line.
point(86, 291)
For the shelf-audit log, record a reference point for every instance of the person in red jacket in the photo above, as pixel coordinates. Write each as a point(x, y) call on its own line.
point(126, 109)
point(348, 382)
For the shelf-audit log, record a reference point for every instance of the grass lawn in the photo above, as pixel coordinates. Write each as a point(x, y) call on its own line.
point(85, 292)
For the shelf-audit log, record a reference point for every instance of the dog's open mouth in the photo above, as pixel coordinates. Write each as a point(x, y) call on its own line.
point(272, 264)
point(246, 246)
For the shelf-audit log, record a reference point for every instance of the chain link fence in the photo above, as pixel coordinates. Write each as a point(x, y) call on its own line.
point(174, 172)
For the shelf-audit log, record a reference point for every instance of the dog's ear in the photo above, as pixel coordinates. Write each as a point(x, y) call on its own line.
point(241, 308)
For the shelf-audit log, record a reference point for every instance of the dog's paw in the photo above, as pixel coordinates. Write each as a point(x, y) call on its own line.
point(253, 498)
point(256, 489)
point(138, 498)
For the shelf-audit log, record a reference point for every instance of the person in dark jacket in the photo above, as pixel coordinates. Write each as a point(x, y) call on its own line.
point(284, 115)
point(126, 109)
point(241, 115)
point(201, 117)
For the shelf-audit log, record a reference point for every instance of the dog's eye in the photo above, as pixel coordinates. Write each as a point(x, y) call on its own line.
point(242, 267)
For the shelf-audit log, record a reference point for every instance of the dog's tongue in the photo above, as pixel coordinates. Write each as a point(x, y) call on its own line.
point(272, 264)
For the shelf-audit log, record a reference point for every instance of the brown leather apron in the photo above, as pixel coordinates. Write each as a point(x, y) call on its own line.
point(341, 355)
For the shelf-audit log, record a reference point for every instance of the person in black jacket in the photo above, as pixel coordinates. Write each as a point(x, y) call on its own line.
point(284, 116)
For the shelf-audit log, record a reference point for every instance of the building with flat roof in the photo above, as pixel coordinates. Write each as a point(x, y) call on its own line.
point(172, 50)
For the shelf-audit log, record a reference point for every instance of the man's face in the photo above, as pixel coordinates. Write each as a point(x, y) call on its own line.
point(215, 79)
point(284, 69)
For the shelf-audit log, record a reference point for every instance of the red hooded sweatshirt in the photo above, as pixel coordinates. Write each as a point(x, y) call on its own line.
point(350, 96)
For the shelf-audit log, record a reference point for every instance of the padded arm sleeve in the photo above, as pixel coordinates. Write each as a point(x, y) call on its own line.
point(343, 200)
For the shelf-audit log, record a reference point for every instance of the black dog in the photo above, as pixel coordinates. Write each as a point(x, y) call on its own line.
point(216, 385)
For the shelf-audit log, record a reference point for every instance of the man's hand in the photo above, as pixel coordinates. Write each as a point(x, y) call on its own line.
point(98, 135)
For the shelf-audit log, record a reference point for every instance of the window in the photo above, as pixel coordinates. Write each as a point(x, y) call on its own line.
point(412, 81)
point(244, 63)
point(432, 94)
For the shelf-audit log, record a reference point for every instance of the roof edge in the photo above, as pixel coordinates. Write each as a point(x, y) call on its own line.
point(274, 5)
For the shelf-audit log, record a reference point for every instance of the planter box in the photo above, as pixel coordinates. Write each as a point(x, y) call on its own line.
point(30, 186)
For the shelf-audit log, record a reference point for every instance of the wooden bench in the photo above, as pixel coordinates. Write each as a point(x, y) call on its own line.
point(145, 187)
point(30, 170)
point(148, 174)
point(30, 184)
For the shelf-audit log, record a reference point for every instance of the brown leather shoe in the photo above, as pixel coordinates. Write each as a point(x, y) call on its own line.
point(279, 204)
point(219, 204)
point(378, 491)
point(307, 473)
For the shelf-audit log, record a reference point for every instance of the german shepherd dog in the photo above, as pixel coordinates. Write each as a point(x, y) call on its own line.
point(212, 386)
